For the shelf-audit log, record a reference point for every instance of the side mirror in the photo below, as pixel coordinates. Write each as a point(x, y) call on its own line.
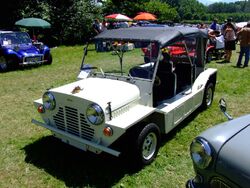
point(223, 107)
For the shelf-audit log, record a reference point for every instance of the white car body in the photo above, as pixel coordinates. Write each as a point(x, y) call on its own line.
point(126, 102)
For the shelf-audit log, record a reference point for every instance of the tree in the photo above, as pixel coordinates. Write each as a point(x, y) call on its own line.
point(191, 9)
point(162, 10)
point(9, 13)
point(127, 7)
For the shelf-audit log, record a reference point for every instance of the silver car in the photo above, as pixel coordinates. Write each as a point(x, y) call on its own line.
point(221, 154)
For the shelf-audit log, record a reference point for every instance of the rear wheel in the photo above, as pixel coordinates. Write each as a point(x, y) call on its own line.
point(208, 95)
point(3, 64)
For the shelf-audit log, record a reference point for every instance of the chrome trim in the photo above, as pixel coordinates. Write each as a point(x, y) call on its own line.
point(77, 139)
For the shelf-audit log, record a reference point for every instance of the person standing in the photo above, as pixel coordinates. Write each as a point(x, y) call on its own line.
point(97, 26)
point(214, 25)
point(230, 37)
point(244, 37)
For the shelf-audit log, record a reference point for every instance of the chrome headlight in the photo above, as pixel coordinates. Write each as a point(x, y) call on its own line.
point(201, 153)
point(49, 101)
point(95, 114)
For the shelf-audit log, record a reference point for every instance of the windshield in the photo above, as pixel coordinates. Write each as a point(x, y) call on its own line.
point(137, 58)
point(123, 58)
point(15, 38)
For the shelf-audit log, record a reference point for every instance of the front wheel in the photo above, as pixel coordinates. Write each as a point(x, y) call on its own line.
point(48, 58)
point(147, 144)
point(8, 63)
point(208, 96)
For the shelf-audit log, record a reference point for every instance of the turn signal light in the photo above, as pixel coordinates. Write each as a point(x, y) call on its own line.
point(107, 131)
point(41, 109)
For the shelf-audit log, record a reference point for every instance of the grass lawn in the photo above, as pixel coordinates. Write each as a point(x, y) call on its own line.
point(31, 157)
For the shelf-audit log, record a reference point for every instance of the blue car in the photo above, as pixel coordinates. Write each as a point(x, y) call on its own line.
point(17, 49)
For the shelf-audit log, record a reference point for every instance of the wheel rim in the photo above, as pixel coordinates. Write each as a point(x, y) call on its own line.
point(209, 96)
point(149, 146)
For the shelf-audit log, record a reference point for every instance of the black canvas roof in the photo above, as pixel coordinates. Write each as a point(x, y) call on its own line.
point(162, 35)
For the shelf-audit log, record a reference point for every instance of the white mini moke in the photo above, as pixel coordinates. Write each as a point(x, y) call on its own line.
point(142, 83)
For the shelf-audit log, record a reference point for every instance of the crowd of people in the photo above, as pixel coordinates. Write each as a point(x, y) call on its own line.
point(231, 35)
point(229, 32)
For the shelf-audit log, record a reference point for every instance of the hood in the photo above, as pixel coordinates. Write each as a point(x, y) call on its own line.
point(24, 49)
point(101, 91)
point(220, 134)
point(231, 143)
point(234, 158)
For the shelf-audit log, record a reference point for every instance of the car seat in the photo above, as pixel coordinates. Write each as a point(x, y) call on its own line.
point(166, 86)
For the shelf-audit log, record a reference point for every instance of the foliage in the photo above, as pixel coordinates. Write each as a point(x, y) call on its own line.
point(128, 7)
point(237, 7)
point(9, 13)
point(72, 19)
point(191, 9)
point(162, 10)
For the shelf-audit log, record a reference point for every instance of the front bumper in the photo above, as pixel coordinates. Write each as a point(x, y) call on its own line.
point(32, 63)
point(33, 60)
point(74, 140)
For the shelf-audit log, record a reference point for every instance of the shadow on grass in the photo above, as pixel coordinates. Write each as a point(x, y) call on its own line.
point(22, 68)
point(79, 169)
point(75, 167)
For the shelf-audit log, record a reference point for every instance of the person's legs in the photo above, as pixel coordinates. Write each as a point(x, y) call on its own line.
point(228, 58)
point(240, 56)
point(247, 53)
point(226, 55)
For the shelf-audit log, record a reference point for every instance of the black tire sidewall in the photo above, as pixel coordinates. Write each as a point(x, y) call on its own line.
point(49, 59)
point(149, 128)
point(209, 85)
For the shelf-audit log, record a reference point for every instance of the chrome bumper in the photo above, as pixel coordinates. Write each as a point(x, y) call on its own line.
point(77, 139)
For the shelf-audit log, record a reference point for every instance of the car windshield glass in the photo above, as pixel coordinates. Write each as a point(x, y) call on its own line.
point(15, 38)
point(123, 58)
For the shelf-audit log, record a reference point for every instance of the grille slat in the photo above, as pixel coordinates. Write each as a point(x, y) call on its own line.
point(69, 120)
point(217, 183)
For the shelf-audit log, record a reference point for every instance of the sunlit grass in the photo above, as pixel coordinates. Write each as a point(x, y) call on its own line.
point(30, 157)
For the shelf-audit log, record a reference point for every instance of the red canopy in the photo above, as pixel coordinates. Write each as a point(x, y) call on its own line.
point(145, 16)
point(118, 17)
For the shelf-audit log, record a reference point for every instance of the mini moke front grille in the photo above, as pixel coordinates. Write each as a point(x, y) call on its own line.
point(71, 121)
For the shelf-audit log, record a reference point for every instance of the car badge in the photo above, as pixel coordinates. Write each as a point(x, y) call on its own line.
point(77, 89)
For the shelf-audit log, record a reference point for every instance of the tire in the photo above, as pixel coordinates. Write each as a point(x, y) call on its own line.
point(48, 57)
point(3, 64)
point(146, 145)
point(208, 96)
point(8, 63)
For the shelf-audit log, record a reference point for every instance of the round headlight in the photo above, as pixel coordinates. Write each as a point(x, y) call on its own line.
point(201, 153)
point(95, 114)
point(49, 101)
